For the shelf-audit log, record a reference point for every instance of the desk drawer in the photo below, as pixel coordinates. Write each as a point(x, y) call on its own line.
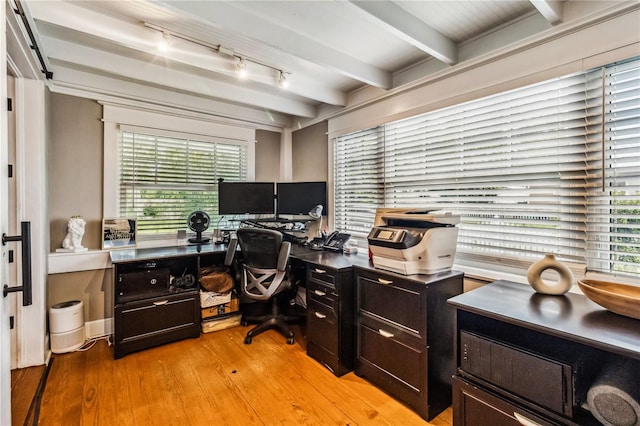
point(399, 369)
point(156, 315)
point(408, 309)
point(152, 322)
point(318, 273)
point(322, 326)
point(323, 293)
point(473, 405)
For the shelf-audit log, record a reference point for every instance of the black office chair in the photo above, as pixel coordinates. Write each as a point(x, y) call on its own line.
point(265, 277)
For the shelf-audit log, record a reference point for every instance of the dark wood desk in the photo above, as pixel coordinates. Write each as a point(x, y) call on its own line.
point(147, 313)
point(349, 312)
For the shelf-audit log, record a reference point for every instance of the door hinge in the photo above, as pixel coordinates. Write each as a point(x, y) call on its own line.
point(9, 104)
point(10, 170)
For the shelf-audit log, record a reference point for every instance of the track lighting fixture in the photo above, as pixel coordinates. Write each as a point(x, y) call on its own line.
point(282, 80)
point(241, 64)
point(163, 44)
point(241, 67)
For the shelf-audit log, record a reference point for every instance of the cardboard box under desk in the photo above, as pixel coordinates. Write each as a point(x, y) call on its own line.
point(221, 309)
point(220, 323)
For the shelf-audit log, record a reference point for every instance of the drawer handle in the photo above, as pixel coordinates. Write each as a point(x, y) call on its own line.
point(525, 421)
point(161, 302)
point(319, 315)
point(385, 282)
point(320, 293)
point(384, 333)
point(320, 271)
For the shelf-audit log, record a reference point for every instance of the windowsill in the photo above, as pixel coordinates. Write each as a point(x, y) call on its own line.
point(490, 276)
point(93, 259)
point(61, 263)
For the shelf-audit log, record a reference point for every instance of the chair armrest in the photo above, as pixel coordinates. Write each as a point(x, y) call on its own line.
point(231, 251)
point(283, 256)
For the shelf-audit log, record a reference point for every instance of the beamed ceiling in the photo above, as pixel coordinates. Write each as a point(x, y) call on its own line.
point(327, 50)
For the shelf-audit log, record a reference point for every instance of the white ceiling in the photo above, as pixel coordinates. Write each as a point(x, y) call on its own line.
point(327, 49)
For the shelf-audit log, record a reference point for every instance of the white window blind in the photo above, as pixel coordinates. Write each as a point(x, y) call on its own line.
point(163, 179)
point(614, 207)
point(358, 183)
point(519, 167)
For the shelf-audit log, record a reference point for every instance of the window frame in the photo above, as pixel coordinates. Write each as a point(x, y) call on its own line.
point(165, 123)
point(513, 267)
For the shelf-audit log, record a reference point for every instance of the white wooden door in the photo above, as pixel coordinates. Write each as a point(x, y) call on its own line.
point(5, 340)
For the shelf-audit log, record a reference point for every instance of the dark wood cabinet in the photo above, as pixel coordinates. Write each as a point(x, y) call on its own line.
point(405, 335)
point(526, 357)
point(330, 326)
point(330, 323)
point(152, 307)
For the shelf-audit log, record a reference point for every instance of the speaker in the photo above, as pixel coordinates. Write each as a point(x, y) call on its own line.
point(66, 325)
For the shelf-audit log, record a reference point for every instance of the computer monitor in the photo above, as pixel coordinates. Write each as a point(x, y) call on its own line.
point(299, 198)
point(245, 198)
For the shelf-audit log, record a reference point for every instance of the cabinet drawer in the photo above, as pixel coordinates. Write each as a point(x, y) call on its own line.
point(386, 328)
point(318, 273)
point(395, 300)
point(156, 314)
point(322, 293)
point(399, 369)
point(322, 334)
point(151, 322)
point(474, 406)
point(322, 326)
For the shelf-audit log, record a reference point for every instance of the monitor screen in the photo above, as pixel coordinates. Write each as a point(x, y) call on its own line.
point(300, 198)
point(245, 198)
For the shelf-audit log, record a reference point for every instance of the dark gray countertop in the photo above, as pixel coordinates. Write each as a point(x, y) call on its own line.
point(572, 316)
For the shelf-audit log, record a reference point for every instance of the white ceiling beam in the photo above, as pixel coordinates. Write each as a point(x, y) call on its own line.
point(411, 29)
point(110, 89)
point(550, 9)
point(237, 17)
point(143, 39)
point(176, 79)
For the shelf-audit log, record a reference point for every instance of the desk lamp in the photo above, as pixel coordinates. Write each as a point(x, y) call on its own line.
point(316, 213)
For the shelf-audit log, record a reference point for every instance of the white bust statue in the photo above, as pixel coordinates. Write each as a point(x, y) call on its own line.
point(75, 232)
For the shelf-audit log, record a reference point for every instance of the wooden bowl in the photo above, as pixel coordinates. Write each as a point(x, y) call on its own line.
point(619, 298)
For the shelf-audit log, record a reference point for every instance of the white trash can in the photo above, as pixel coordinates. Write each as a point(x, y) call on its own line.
point(66, 325)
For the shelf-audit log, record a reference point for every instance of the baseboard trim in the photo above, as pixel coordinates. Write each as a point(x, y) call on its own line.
point(98, 328)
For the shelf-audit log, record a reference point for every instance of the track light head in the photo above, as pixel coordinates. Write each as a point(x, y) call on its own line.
point(282, 80)
point(165, 41)
point(241, 67)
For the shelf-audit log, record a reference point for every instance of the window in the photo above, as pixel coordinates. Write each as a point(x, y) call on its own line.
point(614, 201)
point(165, 178)
point(360, 188)
point(521, 168)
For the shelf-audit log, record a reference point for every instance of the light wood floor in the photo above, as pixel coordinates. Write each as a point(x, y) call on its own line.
point(214, 380)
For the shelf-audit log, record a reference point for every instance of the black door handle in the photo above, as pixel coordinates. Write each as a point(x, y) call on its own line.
point(25, 288)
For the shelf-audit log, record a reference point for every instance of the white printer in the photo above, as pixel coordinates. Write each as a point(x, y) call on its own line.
point(413, 241)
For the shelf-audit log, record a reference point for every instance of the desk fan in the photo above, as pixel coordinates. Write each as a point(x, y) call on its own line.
point(198, 222)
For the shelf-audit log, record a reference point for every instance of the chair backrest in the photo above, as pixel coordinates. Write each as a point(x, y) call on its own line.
point(260, 247)
point(264, 263)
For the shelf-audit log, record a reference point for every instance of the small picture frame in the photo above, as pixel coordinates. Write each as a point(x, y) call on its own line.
point(118, 233)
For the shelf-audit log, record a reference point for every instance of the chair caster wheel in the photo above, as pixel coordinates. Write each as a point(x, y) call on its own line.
point(290, 340)
point(247, 340)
